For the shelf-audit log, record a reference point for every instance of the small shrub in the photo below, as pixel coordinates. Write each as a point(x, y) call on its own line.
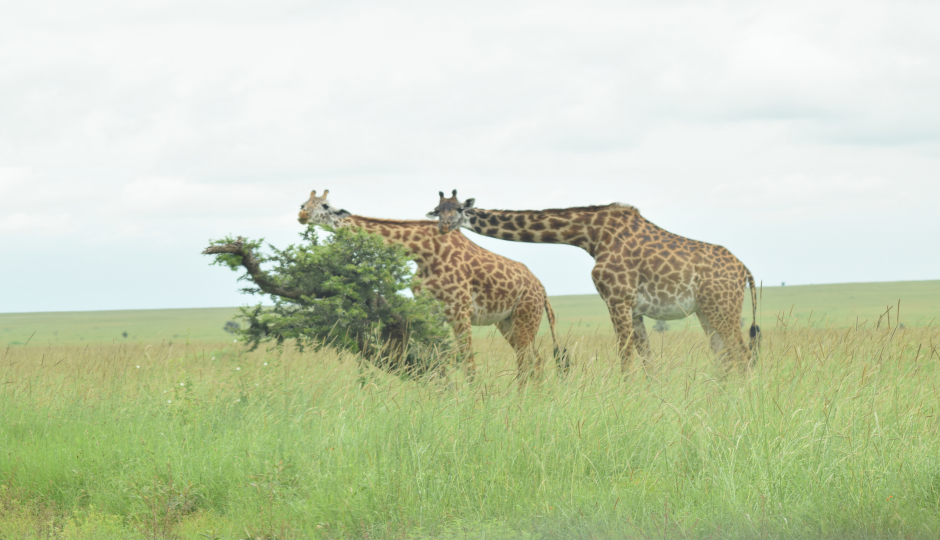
point(232, 327)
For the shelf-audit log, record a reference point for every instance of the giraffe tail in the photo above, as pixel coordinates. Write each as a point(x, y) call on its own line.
point(560, 354)
point(755, 330)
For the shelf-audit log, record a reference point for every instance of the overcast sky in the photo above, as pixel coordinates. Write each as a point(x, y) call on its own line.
point(802, 135)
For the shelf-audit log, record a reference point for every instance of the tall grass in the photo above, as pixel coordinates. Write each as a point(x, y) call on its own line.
point(834, 433)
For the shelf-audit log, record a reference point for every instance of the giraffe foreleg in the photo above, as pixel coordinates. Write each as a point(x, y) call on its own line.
point(641, 340)
point(619, 292)
point(459, 318)
point(621, 315)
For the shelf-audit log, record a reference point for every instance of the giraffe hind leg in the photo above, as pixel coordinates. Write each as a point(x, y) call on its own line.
point(714, 340)
point(521, 338)
point(725, 339)
point(460, 321)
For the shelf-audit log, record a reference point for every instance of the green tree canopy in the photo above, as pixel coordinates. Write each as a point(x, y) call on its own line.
point(346, 291)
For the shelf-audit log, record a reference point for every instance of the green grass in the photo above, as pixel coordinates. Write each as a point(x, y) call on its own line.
point(834, 434)
point(176, 432)
point(840, 305)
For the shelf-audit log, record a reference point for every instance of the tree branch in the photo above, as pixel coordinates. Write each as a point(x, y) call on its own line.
point(251, 264)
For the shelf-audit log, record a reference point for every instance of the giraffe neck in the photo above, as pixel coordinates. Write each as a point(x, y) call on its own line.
point(582, 227)
point(388, 227)
point(419, 237)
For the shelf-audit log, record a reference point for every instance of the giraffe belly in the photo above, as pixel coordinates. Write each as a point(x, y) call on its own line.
point(665, 309)
point(484, 317)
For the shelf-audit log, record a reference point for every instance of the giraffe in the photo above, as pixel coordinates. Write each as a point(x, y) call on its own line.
point(476, 286)
point(640, 269)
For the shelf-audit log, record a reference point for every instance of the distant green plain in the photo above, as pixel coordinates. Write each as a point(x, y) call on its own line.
point(834, 305)
point(93, 327)
point(819, 306)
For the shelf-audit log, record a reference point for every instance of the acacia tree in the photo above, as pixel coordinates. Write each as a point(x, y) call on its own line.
point(345, 291)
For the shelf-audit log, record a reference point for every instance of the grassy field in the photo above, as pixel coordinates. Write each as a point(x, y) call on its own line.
point(174, 433)
point(841, 305)
point(834, 434)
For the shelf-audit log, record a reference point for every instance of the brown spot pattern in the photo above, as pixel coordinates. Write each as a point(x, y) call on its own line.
point(631, 253)
point(472, 281)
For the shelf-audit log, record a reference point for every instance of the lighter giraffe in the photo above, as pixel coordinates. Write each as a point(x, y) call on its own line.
point(640, 269)
point(476, 286)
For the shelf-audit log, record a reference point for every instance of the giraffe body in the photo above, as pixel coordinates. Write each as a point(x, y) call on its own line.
point(641, 270)
point(476, 286)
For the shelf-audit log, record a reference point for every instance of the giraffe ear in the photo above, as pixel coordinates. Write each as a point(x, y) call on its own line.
point(342, 214)
point(433, 214)
point(469, 203)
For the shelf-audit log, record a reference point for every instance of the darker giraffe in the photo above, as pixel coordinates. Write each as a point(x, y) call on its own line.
point(640, 269)
point(477, 287)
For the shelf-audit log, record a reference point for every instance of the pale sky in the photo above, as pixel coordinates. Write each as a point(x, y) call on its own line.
point(802, 135)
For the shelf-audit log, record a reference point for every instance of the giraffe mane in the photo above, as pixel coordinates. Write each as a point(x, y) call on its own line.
point(409, 222)
point(625, 206)
point(557, 211)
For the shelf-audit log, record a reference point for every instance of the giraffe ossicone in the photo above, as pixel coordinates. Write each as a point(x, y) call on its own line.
point(450, 207)
point(640, 270)
point(476, 286)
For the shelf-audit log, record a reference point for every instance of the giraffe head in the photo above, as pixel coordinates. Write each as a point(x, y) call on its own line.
point(319, 212)
point(450, 212)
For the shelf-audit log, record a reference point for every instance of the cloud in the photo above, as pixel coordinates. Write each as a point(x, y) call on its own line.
point(173, 122)
point(34, 223)
point(173, 198)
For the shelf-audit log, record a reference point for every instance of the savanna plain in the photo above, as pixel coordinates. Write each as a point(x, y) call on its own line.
point(156, 424)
